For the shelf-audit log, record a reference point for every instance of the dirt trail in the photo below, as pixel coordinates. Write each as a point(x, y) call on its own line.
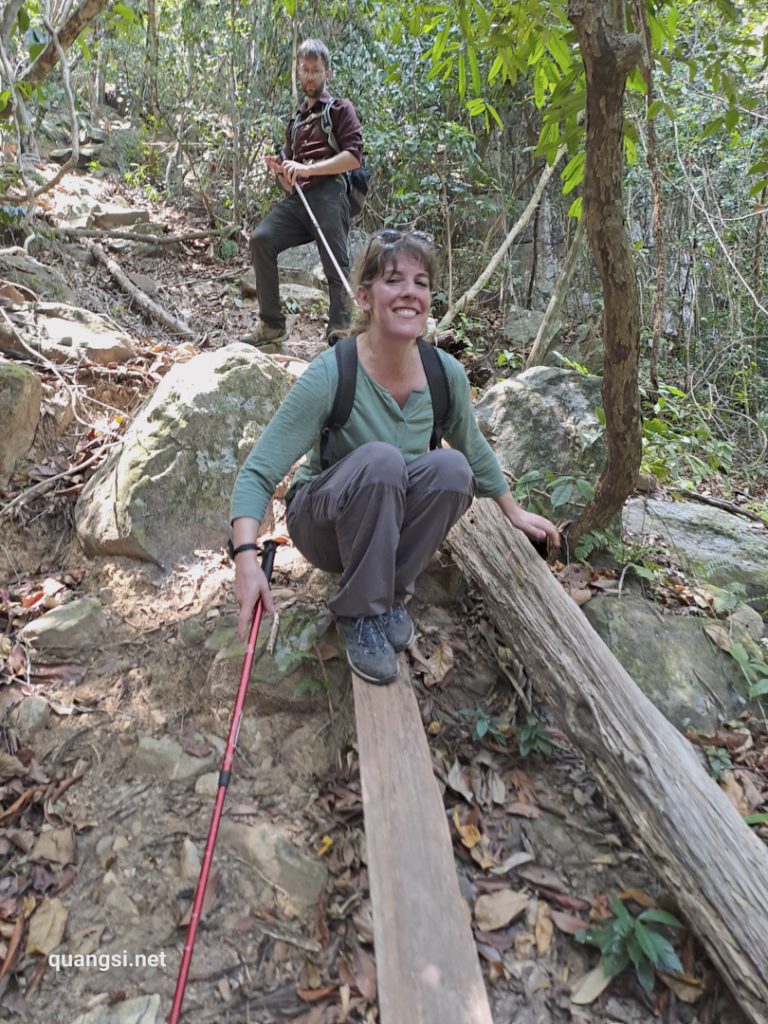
point(103, 848)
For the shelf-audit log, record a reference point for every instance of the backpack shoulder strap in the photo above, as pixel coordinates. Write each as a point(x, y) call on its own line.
point(346, 364)
point(439, 391)
point(294, 129)
point(327, 124)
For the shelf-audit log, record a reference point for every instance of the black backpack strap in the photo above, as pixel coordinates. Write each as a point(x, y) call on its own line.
point(439, 392)
point(346, 364)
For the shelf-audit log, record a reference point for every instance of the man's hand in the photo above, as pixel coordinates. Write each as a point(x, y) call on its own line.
point(292, 170)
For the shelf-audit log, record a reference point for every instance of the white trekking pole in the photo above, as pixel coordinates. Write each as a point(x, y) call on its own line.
point(300, 193)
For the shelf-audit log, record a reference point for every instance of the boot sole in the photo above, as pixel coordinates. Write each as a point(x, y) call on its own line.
point(376, 680)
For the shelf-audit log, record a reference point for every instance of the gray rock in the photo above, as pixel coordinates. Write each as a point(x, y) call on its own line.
point(47, 282)
point(118, 216)
point(75, 626)
point(165, 492)
point(521, 326)
point(672, 660)
point(712, 544)
point(31, 715)
point(163, 757)
point(141, 1010)
point(299, 880)
point(20, 399)
point(64, 333)
point(543, 420)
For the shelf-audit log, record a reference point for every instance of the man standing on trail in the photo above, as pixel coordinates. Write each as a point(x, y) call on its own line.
point(313, 165)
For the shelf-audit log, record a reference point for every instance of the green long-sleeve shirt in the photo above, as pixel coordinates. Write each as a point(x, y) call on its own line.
point(295, 431)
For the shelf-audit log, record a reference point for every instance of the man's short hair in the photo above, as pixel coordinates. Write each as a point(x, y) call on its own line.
point(315, 49)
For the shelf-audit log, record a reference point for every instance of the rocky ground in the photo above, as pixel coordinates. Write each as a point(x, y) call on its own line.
point(108, 769)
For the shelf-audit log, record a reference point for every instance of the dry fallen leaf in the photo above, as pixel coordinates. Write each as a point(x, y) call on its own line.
point(438, 664)
point(56, 845)
point(13, 946)
point(687, 989)
point(46, 927)
point(537, 874)
point(543, 928)
point(458, 780)
point(495, 910)
point(365, 974)
point(568, 923)
point(591, 985)
point(470, 834)
point(735, 793)
point(10, 767)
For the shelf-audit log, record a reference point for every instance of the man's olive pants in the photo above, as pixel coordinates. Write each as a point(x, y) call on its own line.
point(287, 226)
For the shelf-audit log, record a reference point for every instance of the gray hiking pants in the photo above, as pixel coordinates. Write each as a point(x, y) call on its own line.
point(378, 520)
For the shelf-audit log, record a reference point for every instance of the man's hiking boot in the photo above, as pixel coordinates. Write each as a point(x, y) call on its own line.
point(266, 338)
point(369, 653)
point(398, 626)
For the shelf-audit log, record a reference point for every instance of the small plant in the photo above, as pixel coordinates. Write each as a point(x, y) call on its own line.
point(718, 762)
point(485, 724)
point(307, 688)
point(625, 941)
point(754, 668)
point(532, 739)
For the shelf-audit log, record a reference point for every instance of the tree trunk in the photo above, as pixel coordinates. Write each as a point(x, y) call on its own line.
point(641, 20)
point(707, 858)
point(545, 336)
point(153, 50)
point(68, 33)
point(609, 55)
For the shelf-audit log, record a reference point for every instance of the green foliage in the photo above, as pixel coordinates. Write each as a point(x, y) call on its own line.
point(680, 443)
point(484, 724)
point(308, 688)
point(718, 761)
point(754, 668)
point(557, 491)
point(626, 940)
point(532, 739)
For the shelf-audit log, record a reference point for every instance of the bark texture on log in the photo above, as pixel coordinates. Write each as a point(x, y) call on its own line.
point(699, 847)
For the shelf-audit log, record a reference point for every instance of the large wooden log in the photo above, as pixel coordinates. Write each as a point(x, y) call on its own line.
point(708, 859)
point(426, 961)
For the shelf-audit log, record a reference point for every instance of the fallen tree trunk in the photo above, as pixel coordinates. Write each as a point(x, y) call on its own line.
point(142, 300)
point(707, 858)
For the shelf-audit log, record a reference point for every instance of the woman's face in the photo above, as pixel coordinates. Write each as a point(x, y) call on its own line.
point(398, 301)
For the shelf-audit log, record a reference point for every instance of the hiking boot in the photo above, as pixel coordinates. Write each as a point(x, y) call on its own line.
point(369, 653)
point(398, 626)
point(266, 338)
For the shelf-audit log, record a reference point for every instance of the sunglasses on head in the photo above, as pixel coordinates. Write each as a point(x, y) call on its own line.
point(391, 235)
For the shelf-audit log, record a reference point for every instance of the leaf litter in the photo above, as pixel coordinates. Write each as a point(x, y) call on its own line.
point(529, 834)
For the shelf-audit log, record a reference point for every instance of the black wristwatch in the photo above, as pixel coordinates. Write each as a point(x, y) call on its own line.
point(241, 547)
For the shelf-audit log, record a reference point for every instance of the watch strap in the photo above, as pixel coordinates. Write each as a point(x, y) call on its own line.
point(233, 551)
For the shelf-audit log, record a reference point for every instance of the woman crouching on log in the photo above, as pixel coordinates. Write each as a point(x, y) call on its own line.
point(377, 494)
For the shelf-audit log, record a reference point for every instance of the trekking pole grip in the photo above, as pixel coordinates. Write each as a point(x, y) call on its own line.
point(268, 557)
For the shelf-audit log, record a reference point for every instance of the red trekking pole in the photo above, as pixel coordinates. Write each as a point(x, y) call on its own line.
point(267, 561)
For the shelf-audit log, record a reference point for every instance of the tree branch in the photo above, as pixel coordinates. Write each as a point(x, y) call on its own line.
point(498, 256)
